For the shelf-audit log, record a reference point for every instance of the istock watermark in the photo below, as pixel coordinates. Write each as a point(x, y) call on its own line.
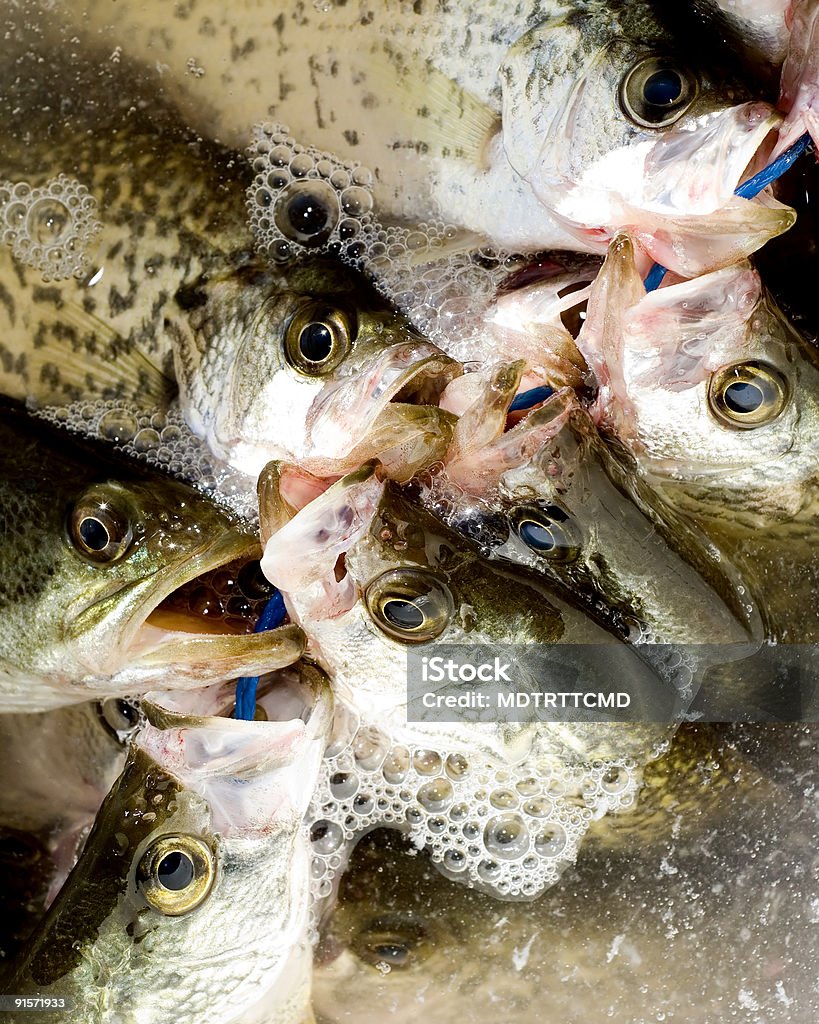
point(612, 683)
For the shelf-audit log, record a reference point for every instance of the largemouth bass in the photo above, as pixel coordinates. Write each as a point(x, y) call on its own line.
point(189, 901)
point(93, 546)
point(687, 916)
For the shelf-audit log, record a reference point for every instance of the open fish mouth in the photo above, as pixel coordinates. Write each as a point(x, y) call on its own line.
point(696, 172)
point(161, 635)
point(275, 757)
point(412, 373)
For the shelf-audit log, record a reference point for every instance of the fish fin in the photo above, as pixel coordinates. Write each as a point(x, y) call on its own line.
point(454, 244)
point(446, 120)
point(107, 369)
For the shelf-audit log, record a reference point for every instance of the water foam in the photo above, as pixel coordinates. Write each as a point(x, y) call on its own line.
point(507, 830)
point(49, 228)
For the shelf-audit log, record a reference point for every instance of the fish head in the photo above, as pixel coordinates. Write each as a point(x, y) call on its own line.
point(708, 385)
point(192, 887)
point(98, 547)
point(370, 573)
point(614, 125)
point(550, 495)
point(303, 364)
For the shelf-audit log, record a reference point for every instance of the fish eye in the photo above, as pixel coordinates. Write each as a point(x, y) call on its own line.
point(394, 939)
point(747, 395)
point(409, 605)
point(317, 340)
point(307, 212)
point(120, 716)
point(656, 92)
point(100, 526)
point(175, 874)
point(548, 530)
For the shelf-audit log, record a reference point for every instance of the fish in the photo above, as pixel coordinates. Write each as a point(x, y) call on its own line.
point(535, 125)
point(43, 825)
point(716, 396)
point(93, 546)
point(549, 494)
point(363, 555)
point(371, 575)
point(190, 892)
point(306, 362)
point(643, 924)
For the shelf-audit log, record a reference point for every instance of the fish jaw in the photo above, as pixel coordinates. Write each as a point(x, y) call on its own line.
point(799, 87)
point(675, 193)
point(324, 424)
point(254, 775)
point(147, 655)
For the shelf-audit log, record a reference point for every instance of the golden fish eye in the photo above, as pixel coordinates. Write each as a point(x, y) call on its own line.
point(656, 92)
point(175, 874)
point(395, 940)
point(317, 340)
point(747, 395)
point(120, 716)
point(100, 526)
point(409, 605)
point(548, 530)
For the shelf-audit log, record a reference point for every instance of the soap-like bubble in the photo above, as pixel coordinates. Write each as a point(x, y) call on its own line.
point(51, 227)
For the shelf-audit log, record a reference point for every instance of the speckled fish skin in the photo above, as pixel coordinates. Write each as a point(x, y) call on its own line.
point(380, 532)
point(72, 628)
point(416, 93)
point(752, 489)
point(239, 954)
point(612, 551)
point(175, 290)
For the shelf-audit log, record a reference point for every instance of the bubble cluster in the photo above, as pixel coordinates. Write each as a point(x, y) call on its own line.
point(509, 831)
point(305, 200)
point(49, 228)
point(160, 439)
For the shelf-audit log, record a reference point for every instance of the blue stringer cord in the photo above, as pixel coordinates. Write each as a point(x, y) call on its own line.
point(526, 399)
point(272, 615)
point(747, 190)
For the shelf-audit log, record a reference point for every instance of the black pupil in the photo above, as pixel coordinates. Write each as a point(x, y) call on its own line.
point(743, 397)
point(537, 536)
point(662, 88)
point(316, 342)
point(307, 214)
point(403, 614)
point(93, 534)
point(392, 952)
point(175, 871)
point(125, 713)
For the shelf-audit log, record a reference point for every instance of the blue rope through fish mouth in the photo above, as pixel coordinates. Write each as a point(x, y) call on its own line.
point(747, 190)
point(272, 616)
point(526, 399)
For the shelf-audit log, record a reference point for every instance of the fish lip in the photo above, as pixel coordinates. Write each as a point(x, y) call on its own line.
point(143, 646)
point(761, 141)
point(412, 372)
point(315, 697)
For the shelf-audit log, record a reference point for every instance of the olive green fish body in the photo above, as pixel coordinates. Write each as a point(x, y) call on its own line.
point(92, 544)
